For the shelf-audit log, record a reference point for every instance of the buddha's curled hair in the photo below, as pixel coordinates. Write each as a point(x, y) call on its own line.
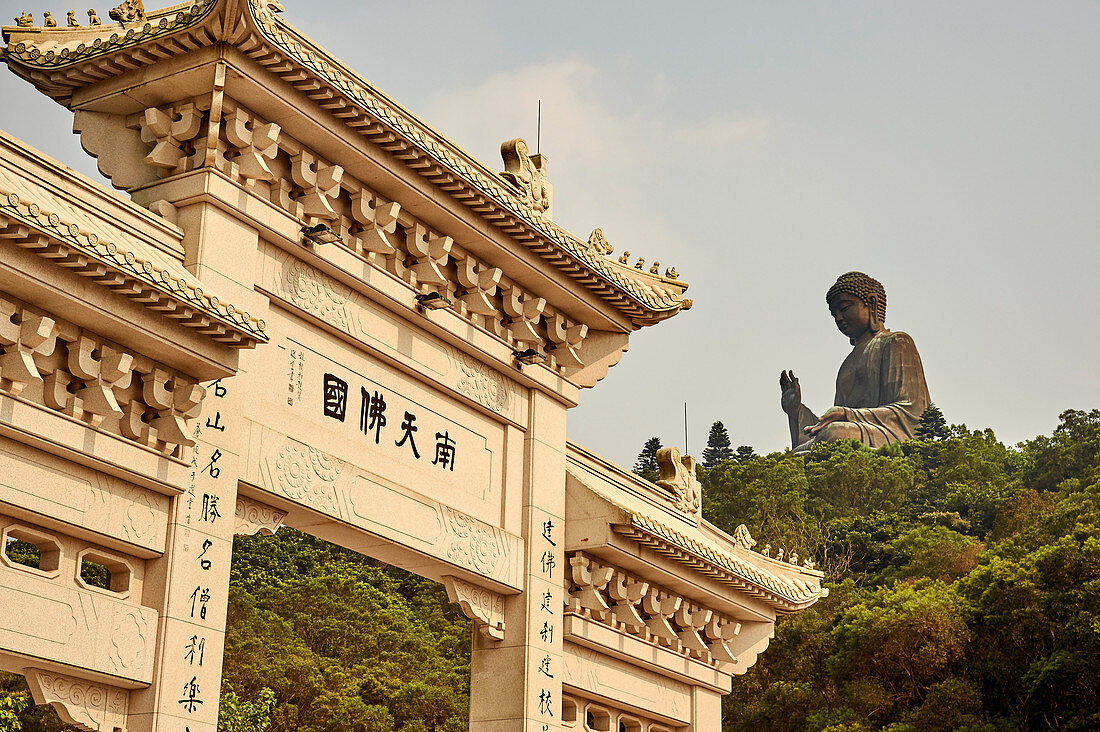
point(860, 285)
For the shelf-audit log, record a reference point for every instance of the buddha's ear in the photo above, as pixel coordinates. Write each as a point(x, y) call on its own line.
point(875, 322)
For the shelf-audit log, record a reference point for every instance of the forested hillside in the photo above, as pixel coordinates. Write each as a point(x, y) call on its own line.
point(965, 582)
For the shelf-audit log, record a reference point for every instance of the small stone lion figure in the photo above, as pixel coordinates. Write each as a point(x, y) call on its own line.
point(678, 476)
point(93, 19)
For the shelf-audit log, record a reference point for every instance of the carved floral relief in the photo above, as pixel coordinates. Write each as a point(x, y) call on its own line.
point(474, 544)
point(316, 293)
point(484, 385)
point(308, 475)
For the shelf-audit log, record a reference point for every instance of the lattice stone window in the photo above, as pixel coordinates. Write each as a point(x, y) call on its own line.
point(93, 564)
point(597, 719)
point(30, 550)
point(568, 712)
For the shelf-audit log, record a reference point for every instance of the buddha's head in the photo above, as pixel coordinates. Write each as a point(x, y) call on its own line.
point(858, 304)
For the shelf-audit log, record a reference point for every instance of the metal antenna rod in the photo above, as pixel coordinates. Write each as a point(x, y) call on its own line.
point(538, 131)
point(686, 450)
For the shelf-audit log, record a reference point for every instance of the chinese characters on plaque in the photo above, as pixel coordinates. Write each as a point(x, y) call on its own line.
point(375, 409)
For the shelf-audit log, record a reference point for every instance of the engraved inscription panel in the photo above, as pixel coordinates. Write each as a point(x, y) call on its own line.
point(337, 402)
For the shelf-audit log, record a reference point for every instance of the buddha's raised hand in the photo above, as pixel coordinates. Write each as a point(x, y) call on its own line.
point(792, 392)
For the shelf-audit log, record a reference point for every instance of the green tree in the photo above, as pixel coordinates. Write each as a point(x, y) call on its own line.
point(932, 425)
point(719, 447)
point(235, 715)
point(343, 642)
point(12, 705)
point(646, 465)
point(744, 453)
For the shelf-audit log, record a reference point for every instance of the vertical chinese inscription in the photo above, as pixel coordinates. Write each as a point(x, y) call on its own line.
point(547, 618)
point(194, 630)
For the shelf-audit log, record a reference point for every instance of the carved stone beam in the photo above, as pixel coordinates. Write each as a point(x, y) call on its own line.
point(566, 339)
point(659, 607)
point(378, 219)
point(591, 581)
point(84, 704)
point(480, 283)
point(168, 131)
point(627, 594)
point(691, 620)
point(34, 335)
point(173, 403)
point(101, 368)
point(524, 313)
point(485, 608)
point(431, 253)
point(719, 632)
point(321, 183)
point(255, 145)
point(253, 517)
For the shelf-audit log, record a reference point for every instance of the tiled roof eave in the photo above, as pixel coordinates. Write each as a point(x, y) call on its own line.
point(721, 567)
point(467, 181)
point(123, 272)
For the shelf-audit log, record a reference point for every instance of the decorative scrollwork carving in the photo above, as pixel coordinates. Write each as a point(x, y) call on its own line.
point(475, 543)
point(484, 385)
point(253, 517)
point(484, 607)
point(86, 705)
point(678, 476)
point(530, 174)
point(307, 475)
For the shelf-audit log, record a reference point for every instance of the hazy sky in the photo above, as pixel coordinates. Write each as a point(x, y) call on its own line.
point(948, 149)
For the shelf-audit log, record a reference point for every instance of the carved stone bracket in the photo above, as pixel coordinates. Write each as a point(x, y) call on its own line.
point(175, 400)
point(377, 221)
point(102, 368)
point(256, 143)
point(590, 581)
point(480, 283)
point(525, 313)
point(88, 706)
point(168, 131)
point(566, 338)
point(253, 517)
point(431, 252)
point(484, 607)
point(35, 335)
point(321, 183)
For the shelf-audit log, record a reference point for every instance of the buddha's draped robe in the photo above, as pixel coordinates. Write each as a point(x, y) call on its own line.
point(882, 390)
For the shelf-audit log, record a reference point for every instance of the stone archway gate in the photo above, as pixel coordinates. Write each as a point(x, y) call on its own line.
point(317, 311)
